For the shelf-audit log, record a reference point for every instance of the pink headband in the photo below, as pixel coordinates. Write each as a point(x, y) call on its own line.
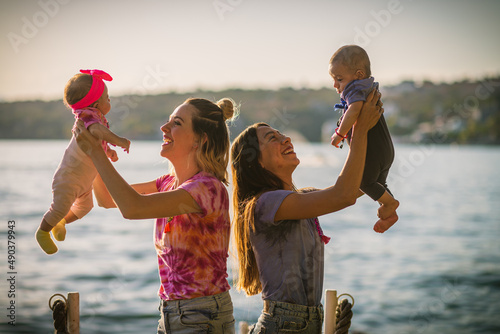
point(96, 89)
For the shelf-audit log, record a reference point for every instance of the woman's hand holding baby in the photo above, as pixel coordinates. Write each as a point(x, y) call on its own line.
point(85, 140)
point(371, 111)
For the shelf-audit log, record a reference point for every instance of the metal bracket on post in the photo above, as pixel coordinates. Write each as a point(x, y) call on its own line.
point(334, 309)
point(66, 313)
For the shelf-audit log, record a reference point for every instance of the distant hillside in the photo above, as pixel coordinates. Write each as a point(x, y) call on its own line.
point(463, 112)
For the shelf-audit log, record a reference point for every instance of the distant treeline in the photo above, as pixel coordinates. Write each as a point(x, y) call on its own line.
point(461, 112)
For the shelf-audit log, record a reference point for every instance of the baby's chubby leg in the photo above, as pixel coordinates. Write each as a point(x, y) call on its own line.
point(388, 205)
point(386, 213)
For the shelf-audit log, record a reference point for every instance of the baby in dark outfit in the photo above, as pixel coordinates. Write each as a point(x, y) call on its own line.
point(350, 70)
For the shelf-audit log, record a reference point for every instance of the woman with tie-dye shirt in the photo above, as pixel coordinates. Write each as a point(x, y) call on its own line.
point(187, 271)
point(191, 205)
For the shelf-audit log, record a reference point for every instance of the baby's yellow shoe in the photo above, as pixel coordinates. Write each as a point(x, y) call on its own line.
point(45, 242)
point(59, 231)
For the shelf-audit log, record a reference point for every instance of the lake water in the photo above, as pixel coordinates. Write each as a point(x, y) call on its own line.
point(436, 271)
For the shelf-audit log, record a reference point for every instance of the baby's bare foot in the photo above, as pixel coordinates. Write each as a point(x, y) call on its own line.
point(383, 225)
point(386, 210)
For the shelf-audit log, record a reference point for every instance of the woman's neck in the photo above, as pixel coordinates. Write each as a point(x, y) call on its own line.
point(185, 171)
point(286, 177)
point(288, 185)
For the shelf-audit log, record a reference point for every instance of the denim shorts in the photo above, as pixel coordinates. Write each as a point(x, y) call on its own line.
point(210, 314)
point(280, 317)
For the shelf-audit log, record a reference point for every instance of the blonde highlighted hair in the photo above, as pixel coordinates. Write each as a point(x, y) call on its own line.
point(209, 124)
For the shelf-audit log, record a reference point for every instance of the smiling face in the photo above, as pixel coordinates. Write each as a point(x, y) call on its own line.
point(342, 75)
point(179, 140)
point(276, 153)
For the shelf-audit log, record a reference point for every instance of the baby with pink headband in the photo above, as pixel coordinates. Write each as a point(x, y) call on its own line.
point(87, 95)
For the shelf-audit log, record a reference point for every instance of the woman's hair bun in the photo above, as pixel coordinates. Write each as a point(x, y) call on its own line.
point(227, 106)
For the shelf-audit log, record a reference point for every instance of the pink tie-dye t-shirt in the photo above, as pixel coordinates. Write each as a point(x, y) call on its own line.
point(192, 255)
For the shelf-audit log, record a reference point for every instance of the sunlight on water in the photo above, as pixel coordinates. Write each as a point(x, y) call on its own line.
point(436, 271)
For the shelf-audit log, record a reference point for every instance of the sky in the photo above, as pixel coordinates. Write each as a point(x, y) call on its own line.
point(157, 46)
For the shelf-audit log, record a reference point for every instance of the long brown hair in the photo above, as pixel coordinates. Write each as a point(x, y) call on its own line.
point(250, 180)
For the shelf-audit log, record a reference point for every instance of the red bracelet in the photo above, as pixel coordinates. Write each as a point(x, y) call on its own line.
point(338, 134)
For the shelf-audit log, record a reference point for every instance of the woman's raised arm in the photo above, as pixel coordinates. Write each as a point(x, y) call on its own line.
point(104, 198)
point(102, 194)
point(345, 191)
point(132, 205)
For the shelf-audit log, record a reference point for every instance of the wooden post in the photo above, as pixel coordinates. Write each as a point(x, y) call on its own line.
point(330, 311)
point(243, 327)
point(73, 315)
